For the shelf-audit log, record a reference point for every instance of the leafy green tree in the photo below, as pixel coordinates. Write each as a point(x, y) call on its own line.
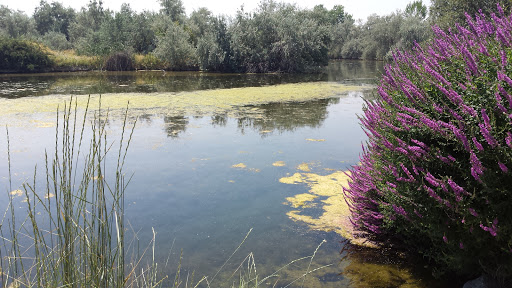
point(199, 24)
point(53, 17)
point(446, 13)
point(214, 47)
point(338, 15)
point(173, 9)
point(416, 9)
point(88, 20)
point(279, 37)
point(15, 24)
point(174, 48)
point(380, 36)
point(143, 36)
point(56, 41)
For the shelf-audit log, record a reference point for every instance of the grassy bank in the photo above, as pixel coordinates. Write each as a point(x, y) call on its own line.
point(69, 61)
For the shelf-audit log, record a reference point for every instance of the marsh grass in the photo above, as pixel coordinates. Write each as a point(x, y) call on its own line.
point(72, 231)
point(68, 60)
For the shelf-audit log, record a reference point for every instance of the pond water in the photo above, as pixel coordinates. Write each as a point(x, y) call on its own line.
point(203, 178)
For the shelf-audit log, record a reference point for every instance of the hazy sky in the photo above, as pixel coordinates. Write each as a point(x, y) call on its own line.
point(358, 8)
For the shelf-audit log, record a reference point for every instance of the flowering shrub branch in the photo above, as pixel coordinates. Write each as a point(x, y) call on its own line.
point(435, 172)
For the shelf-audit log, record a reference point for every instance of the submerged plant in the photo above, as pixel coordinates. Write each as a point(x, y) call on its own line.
point(435, 174)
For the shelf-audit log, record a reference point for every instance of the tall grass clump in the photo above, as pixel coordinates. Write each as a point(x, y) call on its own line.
point(119, 61)
point(435, 174)
point(72, 233)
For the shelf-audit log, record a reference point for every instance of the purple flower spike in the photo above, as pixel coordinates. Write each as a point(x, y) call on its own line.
point(503, 167)
point(477, 144)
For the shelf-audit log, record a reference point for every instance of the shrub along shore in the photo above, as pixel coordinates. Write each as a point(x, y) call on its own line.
point(435, 174)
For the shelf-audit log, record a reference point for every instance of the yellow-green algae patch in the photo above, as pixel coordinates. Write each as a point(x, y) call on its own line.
point(336, 213)
point(239, 165)
point(301, 200)
point(279, 164)
point(304, 167)
point(182, 103)
point(16, 193)
point(294, 179)
point(315, 140)
point(242, 166)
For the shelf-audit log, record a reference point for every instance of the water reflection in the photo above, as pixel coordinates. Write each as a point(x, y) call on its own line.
point(83, 83)
point(351, 72)
point(175, 125)
point(384, 268)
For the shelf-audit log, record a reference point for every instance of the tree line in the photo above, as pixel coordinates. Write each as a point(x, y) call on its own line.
point(275, 37)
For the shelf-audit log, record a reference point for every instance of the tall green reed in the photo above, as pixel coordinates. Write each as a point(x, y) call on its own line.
point(73, 234)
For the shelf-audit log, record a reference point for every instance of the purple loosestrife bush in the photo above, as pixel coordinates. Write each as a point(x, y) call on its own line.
point(435, 173)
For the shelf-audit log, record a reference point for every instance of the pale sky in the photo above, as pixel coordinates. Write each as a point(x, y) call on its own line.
point(360, 9)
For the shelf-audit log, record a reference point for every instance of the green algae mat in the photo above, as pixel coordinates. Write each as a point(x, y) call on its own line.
point(184, 103)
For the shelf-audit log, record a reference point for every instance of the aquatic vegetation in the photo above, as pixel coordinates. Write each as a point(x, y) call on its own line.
point(335, 216)
point(434, 175)
point(304, 200)
point(239, 165)
point(16, 192)
point(304, 167)
point(315, 140)
point(279, 164)
point(203, 102)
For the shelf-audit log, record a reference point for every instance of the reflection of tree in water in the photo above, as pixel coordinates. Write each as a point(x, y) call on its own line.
point(174, 125)
point(357, 71)
point(286, 116)
point(219, 120)
point(265, 119)
point(382, 267)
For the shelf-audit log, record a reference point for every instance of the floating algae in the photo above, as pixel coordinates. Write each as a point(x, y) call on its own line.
point(315, 140)
point(301, 200)
point(336, 212)
point(16, 193)
point(242, 166)
point(239, 165)
point(183, 103)
point(304, 167)
point(279, 164)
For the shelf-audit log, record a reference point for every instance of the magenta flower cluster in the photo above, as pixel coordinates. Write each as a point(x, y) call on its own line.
point(440, 142)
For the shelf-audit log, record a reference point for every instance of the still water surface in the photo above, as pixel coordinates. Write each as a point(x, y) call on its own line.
point(203, 180)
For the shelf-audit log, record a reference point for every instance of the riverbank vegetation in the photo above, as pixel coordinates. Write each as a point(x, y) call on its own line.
point(276, 37)
point(435, 173)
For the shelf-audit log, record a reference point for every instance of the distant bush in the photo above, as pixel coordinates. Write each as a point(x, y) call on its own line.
point(22, 56)
point(56, 41)
point(119, 61)
point(148, 62)
point(436, 173)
